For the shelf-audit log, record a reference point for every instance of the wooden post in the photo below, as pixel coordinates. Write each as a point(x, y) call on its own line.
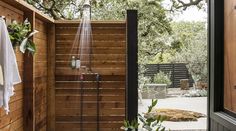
point(184, 84)
point(29, 84)
point(51, 79)
point(132, 65)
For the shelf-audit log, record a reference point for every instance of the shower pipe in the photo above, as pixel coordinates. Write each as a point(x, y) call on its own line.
point(98, 77)
point(81, 100)
point(98, 103)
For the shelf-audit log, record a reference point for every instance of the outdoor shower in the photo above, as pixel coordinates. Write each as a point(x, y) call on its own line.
point(91, 68)
point(81, 60)
point(58, 97)
point(83, 42)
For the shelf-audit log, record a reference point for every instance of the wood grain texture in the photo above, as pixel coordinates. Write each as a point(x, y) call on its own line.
point(229, 56)
point(29, 85)
point(14, 120)
point(41, 75)
point(51, 79)
point(109, 61)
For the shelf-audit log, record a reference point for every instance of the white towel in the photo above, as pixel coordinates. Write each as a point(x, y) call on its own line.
point(1, 76)
point(9, 67)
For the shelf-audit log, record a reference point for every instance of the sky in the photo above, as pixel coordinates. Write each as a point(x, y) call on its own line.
point(191, 14)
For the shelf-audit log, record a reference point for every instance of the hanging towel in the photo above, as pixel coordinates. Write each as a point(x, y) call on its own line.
point(9, 67)
point(1, 76)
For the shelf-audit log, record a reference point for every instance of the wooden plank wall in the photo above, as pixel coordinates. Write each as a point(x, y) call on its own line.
point(229, 56)
point(41, 78)
point(14, 120)
point(109, 61)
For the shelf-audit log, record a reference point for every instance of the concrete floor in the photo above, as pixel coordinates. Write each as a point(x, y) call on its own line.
point(197, 104)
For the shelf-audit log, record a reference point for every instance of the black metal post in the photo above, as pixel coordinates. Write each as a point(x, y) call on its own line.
point(132, 65)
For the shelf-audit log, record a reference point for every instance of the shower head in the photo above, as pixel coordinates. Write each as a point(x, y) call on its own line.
point(86, 3)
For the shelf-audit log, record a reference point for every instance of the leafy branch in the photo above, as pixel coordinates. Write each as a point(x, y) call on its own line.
point(183, 5)
point(149, 121)
point(20, 33)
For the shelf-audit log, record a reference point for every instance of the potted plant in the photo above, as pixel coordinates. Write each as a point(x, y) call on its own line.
point(158, 89)
point(20, 33)
point(162, 78)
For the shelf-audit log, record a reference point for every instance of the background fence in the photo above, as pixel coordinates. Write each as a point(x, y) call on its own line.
point(177, 71)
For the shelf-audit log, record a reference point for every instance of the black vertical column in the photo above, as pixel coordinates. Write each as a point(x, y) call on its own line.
point(132, 65)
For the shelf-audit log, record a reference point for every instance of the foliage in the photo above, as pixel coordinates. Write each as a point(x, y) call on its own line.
point(184, 4)
point(143, 80)
point(162, 57)
point(183, 33)
point(149, 121)
point(155, 37)
point(162, 78)
point(20, 33)
point(153, 24)
point(71, 9)
point(193, 51)
point(196, 93)
point(130, 125)
point(58, 9)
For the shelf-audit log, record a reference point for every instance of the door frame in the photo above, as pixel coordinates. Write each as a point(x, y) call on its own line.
point(216, 110)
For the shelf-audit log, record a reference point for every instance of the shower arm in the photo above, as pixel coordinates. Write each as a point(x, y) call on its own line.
point(88, 3)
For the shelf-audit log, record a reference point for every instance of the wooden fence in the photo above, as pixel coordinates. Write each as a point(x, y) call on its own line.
point(52, 96)
point(28, 107)
point(177, 72)
point(77, 102)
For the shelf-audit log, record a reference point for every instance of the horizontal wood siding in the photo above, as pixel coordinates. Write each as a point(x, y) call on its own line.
point(14, 120)
point(109, 61)
point(40, 74)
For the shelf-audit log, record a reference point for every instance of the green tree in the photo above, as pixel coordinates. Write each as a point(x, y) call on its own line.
point(152, 19)
point(153, 23)
point(193, 39)
point(184, 4)
point(70, 9)
point(58, 9)
point(183, 34)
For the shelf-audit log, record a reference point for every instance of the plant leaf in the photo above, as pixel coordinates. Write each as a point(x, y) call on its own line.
point(32, 33)
point(23, 45)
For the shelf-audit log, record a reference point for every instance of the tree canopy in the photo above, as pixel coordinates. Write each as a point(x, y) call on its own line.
point(158, 36)
point(66, 9)
point(190, 41)
point(184, 4)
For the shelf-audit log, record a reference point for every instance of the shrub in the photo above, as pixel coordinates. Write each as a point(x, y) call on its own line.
point(162, 78)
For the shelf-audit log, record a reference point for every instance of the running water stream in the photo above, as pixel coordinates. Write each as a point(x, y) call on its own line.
point(81, 59)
